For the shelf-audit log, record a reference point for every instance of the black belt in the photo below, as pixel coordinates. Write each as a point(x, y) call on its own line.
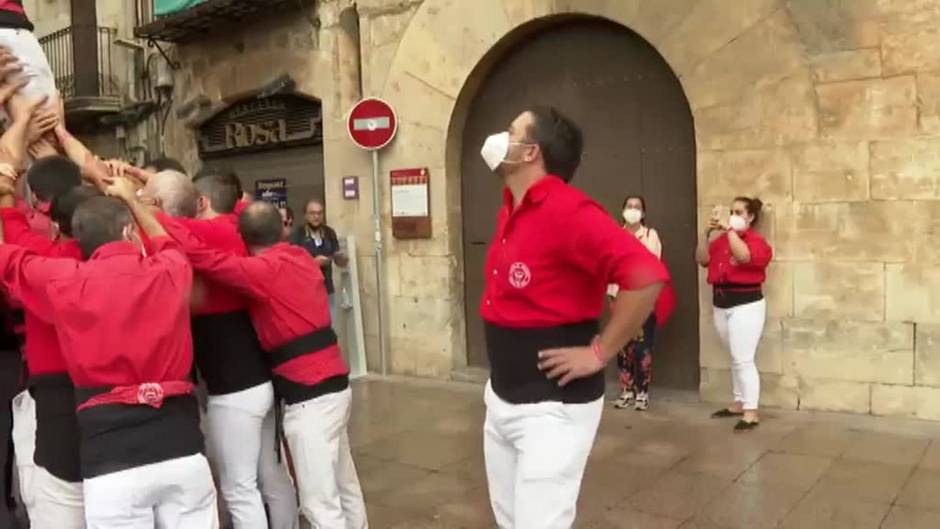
point(117, 437)
point(58, 439)
point(514, 357)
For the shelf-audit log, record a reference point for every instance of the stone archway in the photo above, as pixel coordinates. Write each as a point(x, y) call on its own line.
point(731, 64)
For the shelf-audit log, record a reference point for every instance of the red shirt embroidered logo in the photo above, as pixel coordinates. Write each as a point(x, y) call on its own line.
point(150, 394)
point(519, 275)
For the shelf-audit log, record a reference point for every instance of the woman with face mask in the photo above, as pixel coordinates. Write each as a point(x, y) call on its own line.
point(737, 257)
point(635, 360)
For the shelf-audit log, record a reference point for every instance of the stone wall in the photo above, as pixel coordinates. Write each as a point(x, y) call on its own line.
point(829, 110)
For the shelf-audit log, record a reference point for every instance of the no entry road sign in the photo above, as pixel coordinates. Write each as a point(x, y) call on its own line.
point(372, 124)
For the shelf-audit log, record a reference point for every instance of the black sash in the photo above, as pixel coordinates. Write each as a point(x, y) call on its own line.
point(117, 437)
point(57, 434)
point(292, 392)
point(514, 372)
point(228, 353)
point(730, 295)
point(303, 345)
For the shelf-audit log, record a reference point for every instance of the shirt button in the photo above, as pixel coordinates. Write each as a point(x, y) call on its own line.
point(495, 272)
point(488, 303)
point(503, 241)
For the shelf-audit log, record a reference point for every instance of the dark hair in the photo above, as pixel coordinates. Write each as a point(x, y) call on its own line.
point(63, 206)
point(52, 176)
point(162, 163)
point(98, 221)
point(559, 139)
point(220, 191)
point(227, 174)
point(753, 207)
point(261, 224)
point(642, 205)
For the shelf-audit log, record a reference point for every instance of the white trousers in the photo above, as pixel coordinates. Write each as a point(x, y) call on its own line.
point(740, 329)
point(330, 495)
point(23, 44)
point(240, 432)
point(535, 458)
point(174, 494)
point(51, 503)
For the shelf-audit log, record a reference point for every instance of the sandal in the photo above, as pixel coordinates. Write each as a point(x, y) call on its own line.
point(726, 413)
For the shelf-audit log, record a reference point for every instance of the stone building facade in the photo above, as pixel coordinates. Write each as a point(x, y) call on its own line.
point(829, 110)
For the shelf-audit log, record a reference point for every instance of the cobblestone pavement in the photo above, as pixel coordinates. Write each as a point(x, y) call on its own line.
point(418, 448)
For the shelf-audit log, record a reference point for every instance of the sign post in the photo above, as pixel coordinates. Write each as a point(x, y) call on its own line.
point(372, 125)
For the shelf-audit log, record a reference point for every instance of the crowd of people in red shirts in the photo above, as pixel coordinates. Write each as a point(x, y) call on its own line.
point(136, 285)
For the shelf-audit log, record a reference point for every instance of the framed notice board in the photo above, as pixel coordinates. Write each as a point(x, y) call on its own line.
point(411, 203)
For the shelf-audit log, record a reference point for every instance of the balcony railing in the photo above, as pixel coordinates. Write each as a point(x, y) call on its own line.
point(82, 59)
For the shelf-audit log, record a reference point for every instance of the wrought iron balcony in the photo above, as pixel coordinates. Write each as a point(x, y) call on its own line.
point(84, 62)
point(192, 23)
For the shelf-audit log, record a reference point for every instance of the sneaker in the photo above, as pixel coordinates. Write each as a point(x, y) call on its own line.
point(642, 402)
point(745, 426)
point(625, 400)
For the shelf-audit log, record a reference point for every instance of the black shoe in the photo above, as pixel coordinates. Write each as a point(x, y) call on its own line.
point(745, 426)
point(726, 413)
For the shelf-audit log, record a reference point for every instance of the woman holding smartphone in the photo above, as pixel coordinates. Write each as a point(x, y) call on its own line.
point(635, 360)
point(737, 258)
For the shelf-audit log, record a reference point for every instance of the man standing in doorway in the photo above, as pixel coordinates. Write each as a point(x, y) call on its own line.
point(543, 299)
point(321, 242)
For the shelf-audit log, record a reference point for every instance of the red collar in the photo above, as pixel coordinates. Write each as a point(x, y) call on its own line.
point(115, 248)
point(537, 192)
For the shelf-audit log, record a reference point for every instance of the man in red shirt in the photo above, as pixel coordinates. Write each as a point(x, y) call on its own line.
point(290, 310)
point(543, 298)
point(53, 495)
point(129, 356)
point(231, 361)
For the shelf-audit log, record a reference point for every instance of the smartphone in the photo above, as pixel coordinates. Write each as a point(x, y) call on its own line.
point(717, 212)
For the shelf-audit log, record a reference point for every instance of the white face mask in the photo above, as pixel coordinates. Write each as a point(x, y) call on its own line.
point(737, 223)
point(496, 148)
point(632, 215)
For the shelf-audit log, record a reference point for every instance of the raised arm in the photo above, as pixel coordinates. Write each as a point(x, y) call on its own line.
point(246, 274)
point(122, 188)
point(15, 140)
point(94, 170)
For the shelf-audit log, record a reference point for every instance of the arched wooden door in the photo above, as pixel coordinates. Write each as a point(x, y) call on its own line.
point(639, 139)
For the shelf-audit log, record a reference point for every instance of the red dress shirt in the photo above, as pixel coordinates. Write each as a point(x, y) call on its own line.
point(554, 256)
point(43, 354)
point(121, 318)
point(222, 234)
point(288, 300)
point(724, 270)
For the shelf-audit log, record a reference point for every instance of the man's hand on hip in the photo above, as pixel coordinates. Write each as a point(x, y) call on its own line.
point(570, 363)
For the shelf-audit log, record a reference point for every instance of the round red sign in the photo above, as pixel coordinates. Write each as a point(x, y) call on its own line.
point(372, 124)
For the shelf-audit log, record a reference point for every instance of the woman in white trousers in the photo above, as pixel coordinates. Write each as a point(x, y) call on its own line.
point(737, 256)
